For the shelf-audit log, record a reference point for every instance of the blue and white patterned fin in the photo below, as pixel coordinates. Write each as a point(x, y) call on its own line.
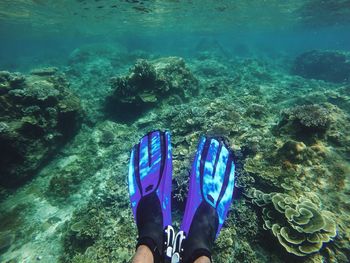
point(150, 170)
point(211, 181)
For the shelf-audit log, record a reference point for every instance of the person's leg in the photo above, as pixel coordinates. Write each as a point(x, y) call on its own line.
point(202, 260)
point(144, 255)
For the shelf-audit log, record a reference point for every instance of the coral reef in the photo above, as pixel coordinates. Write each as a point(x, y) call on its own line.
point(291, 135)
point(298, 223)
point(330, 66)
point(306, 121)
point(102, 231)
point(38, 114)
point(148, 84)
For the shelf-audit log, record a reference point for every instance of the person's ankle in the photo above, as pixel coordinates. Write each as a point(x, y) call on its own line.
point(143, 254)
point(202, 259)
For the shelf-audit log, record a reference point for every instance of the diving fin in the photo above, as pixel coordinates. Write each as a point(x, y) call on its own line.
point(149, 179)
point(209, 198)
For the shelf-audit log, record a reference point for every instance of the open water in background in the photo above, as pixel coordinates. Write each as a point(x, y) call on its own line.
point(52, 29)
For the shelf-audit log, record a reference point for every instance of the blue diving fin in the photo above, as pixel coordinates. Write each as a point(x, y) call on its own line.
point(210, 195)
point(149, 180)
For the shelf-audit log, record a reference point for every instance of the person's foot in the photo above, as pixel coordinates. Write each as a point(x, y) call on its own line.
point(209, 198)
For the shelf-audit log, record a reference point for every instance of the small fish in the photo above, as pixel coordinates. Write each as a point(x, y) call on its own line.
point(100, 6)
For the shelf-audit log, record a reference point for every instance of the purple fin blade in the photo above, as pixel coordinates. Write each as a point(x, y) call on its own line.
point(194, 197)
point(150, 161)
point(164, 189)
point(224, 204)
point(134, 190)
point(155, 147)
point(211, 181)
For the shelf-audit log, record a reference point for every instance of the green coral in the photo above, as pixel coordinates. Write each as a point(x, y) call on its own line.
point(243, 252)
point(300, 226)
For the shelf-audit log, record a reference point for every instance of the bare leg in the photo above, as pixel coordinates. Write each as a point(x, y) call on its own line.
point(203, 259)
point(143, 255)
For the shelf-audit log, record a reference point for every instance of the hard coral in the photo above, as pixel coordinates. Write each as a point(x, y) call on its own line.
point(102, 231)
point(38, 114)
point(312, 116)
point(300, 226)
point(305, 120)
point(292, 151)
point(84, 229)
point(149, 83)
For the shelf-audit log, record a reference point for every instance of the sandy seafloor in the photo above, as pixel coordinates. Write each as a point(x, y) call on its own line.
point(88, 218)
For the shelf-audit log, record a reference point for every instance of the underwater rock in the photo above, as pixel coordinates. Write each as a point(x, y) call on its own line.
point(38, 114)
point(332, 66)
point(300, 226)
point(6, 240)
point(292, 151)
point(150, 83)
point(107, 138)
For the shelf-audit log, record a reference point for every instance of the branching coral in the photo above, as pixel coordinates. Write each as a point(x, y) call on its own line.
point(300, 226)
point(306, 121)
point(309, 116)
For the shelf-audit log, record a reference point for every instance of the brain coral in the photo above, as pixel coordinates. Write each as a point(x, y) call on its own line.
point(300, 226)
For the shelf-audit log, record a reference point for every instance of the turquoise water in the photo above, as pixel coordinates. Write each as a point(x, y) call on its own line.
point(272, 77)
